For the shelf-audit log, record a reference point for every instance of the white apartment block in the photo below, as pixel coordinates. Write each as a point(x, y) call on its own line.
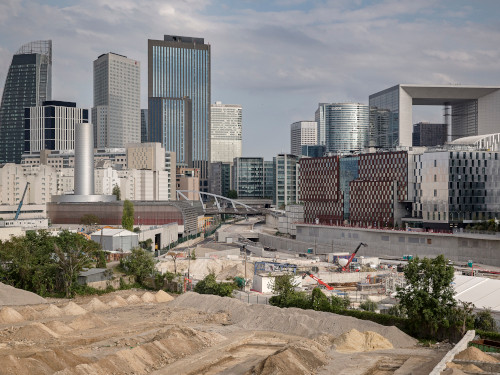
point(144, 185)
point(225, 133)
point(116, 113)
point(302, 133)
point(105, 179)
point(146, 156)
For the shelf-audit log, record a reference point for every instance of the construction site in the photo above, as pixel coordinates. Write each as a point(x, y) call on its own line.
point(145, 332)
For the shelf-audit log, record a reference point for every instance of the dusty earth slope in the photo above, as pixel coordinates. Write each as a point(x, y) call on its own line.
point(137, 332)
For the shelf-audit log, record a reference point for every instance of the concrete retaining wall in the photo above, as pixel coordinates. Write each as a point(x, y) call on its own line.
point(456, 247)
point(461, 345)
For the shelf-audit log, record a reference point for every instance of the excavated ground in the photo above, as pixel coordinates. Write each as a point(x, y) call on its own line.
point(137, 332)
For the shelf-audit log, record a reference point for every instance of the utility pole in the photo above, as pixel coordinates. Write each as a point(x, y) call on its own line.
point(245, 250)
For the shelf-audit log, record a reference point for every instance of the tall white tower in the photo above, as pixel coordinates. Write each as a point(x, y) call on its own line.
point(225, 132)
point(302, 133)
point(116, 114)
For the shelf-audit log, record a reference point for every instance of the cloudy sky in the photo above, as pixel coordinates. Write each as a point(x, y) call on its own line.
point(278, 59)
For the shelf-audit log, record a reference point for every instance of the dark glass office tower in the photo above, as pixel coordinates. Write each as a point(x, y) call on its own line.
point(179, 74)
point(28, 84)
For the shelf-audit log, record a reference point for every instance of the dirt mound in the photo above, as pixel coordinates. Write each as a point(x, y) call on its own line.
point(96, 305)
point(52, 311)
point(133, 299)
point(161, 297)
point(73, 309)
point(59, 327)
point(474, 354)
point(468, 367)
point(9, 315)
point(29, 313)
point(23, 366)
point(148, 298)
point(355, 341)
point(35, 332)
point(59, 359)
point(307, 323)
point(118, 301)
point(297, 358)
point(87, 321)
point(10, 296)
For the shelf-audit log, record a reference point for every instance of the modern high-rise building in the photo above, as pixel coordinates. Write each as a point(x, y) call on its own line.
point(144, 125)
point(427, 134)
point(225, 132)
point(116, 113)
point(268, 179)
point(28, 84)
point(220, 178)
point(286, 179)
point(179, 99)
point(248, 177)
point(346, 126)
point(303, 133)
point(51, 126)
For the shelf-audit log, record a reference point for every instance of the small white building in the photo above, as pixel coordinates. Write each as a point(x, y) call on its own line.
point(116, 239)
point(264, 282)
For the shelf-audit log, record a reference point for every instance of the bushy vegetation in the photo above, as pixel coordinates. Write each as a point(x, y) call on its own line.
point(488, 225)
point(128, 215)
point(368, 306)
point(139, 263)
point(46, 264)
point(209, 285)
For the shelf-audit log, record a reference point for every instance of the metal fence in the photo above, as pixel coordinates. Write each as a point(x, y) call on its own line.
point(251, 298)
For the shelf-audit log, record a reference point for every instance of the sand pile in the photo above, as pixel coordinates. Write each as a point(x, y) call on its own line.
point(23, 366)
point(10, 296)
point(133, 299)
point(468, 367)
point(299, 358)
point(148, 298)
point(9, 315)
point(118, 301)
point(307, 323)
point(29, 313)
point(73, 309)
point(52, 311)
point(96, 305)
point(59, 359)
point(87, 321)
point(474, 354)
point(35, 332)
point(165, 347)
point(59, 327)
point(161, 297)
point(355, 341)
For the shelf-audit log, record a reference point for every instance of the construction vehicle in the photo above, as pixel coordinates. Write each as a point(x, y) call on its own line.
point(345, 266)
point(317, 279)
point(21, 202)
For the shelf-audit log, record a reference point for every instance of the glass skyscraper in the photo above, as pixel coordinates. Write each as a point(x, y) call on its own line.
point(346, 126)
point(28, 84)
point(179, 92)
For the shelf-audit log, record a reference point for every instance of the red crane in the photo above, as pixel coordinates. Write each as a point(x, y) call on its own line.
point(317, 279)
point(352, 256)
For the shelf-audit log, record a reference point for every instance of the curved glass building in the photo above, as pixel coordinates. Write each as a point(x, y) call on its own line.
point(346, 126)
point(28, 84)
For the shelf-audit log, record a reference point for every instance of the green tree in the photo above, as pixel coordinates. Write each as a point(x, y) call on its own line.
point(128, 215)
point(209, 285)
point(90, 219)
point(71, 259)
point(319, 301)
point(485, 321)
point(368, 306)
point(139, 263)
point(428, 297)
point(116, 192)
point(232, 194)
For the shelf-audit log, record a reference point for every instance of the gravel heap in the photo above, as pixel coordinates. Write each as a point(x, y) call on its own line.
point(307, 323)
point(10, 296)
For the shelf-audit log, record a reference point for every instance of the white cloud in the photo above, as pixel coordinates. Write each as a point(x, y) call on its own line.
point(277, 64)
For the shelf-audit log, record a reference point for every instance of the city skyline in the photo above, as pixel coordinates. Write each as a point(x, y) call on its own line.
point(278, 60)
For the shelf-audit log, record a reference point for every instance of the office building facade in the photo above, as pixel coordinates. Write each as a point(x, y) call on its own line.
point(427, 134)
point(116, 114)
point(51, 126)
point(286, 179)
point(346, 126)
point(28, 84)
point(179, 86)
point(220, 178)
point(144, 125)
point(248, 177)
point(302, 133)
point(225, 132)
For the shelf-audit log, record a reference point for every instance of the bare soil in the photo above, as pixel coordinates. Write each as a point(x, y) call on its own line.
point(130, 332)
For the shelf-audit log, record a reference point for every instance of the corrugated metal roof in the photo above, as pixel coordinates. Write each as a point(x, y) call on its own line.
point(481, 291)
point(92, 271)
point(114, 232)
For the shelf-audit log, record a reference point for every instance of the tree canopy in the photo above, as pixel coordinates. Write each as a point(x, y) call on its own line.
point(116, 192)
point(128, 215)
point(140, 264)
